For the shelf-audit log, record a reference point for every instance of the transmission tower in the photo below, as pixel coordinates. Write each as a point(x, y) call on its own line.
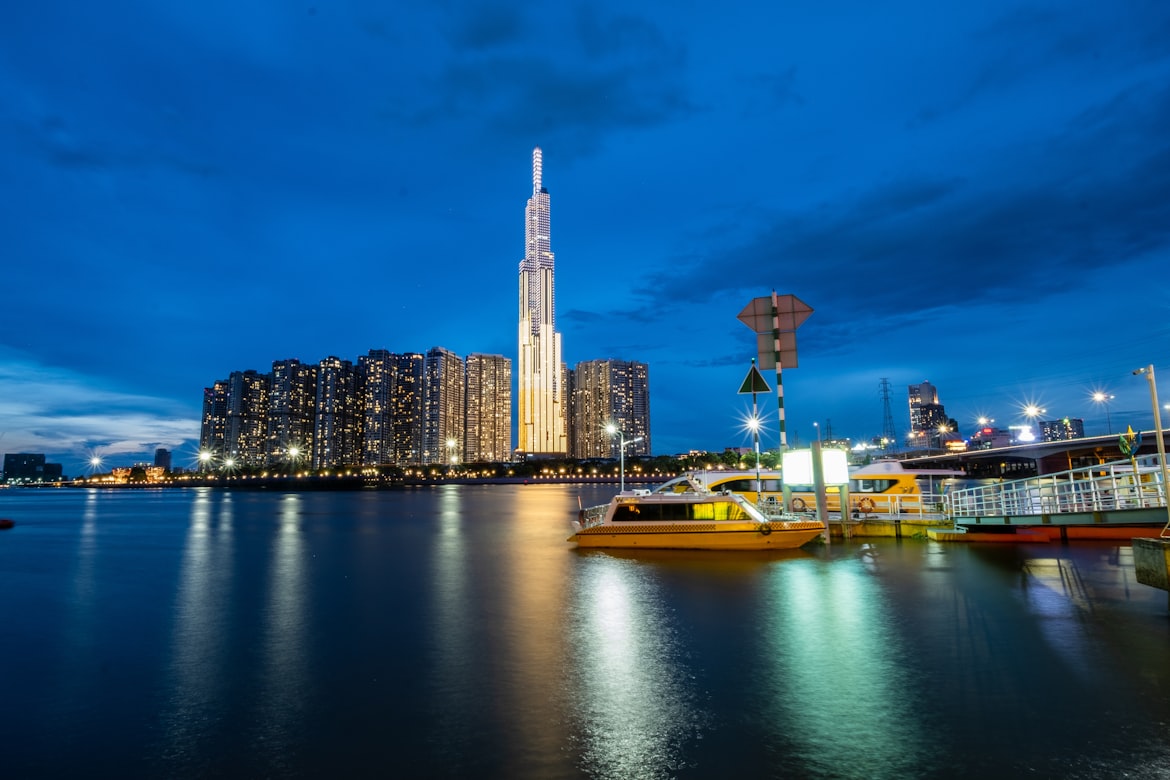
point(888, 433)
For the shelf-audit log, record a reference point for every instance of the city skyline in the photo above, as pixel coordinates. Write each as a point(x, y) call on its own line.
point(976, 197)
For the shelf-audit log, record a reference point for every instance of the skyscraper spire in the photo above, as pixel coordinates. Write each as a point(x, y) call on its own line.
point(537, 166)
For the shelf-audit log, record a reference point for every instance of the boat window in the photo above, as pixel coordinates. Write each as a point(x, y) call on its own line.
point(871, 485)
point(670, 512)
point(748, 485)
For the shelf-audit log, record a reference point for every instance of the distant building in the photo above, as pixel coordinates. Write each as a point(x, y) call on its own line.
point(162, 459)
point(1063, 429)
point(930, 428)
point(245, 440)
point(213, 432)
point(488, 413)
point(292, 412)
point(989, 437)
point(30, 467)
point(610, 392)
point(443, 400)
point(336, 433)
point(407, 400)
point(376, 381)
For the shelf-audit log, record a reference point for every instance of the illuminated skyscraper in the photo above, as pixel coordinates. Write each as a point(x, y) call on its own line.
point(540, 377)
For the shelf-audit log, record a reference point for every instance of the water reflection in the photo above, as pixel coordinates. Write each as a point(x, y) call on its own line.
point(635, 706)
point(285, 665)
point(198, 670)
point(838, 671)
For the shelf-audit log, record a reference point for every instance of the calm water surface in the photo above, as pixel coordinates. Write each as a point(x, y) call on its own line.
point(452, 632)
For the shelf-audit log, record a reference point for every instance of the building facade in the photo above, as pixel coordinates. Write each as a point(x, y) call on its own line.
point(605, 393)
point(443, 402)
point(292, 413)
point(336, 435)
point(541, 401)
point(488, 415)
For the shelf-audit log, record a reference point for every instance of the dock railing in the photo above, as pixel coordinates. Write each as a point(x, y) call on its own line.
point(1135, 484)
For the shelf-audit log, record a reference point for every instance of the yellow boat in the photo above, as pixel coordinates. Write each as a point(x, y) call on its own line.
point(882, 487)
point(697, 519)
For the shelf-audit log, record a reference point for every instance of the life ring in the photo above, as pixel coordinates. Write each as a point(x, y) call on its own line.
point(866, 505)
point(765, 528)
point(798, 505)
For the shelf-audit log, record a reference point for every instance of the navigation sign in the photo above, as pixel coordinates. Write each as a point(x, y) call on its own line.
point(754, 382)
point(775, 327)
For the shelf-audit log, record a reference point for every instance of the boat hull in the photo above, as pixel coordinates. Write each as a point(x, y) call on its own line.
point(699, 536)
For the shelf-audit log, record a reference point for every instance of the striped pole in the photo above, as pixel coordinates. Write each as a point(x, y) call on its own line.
point(779, 379)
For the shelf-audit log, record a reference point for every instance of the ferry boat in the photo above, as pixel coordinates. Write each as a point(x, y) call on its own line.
point(882, 487)
point(694, 519)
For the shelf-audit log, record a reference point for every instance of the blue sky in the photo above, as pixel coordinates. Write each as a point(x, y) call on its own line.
point(973, 194)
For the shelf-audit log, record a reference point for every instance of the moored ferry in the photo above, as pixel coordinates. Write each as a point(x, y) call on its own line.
point(696, 519)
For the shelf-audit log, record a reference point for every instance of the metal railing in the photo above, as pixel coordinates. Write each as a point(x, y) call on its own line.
point(1135, 484)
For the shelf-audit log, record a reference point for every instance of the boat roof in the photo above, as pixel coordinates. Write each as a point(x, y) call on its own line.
point(879, 467)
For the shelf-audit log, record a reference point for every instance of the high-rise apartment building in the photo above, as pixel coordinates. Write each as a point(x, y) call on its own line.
point(336, 435)
point(610, 392)
point(443, 402)
point(213, 430)
point(488, 426)
point(292, 412)
point(376, 375)
point(407, 401)
point(929, 425)
point(540, 376)
point(245, 442)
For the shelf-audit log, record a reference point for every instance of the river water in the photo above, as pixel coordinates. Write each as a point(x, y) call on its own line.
point(453, 632)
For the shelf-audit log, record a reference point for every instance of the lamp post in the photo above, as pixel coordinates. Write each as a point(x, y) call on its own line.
point(1104, 398)
point(1149, 373)
point(611, 429)
point(451, 456)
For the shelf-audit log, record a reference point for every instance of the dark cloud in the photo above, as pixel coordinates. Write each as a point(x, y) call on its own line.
point(1096, 194)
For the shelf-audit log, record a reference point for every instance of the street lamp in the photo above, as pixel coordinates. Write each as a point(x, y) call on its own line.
point(451, 456)
point(1032, 411)
point(204, 460)
point(1149, 372)
point(1104, 399)
point(611, 429)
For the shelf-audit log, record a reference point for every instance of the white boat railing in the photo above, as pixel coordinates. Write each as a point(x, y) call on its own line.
point(925, 506)
point(1135, 484)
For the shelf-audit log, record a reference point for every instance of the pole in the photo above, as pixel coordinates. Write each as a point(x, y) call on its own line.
point(779, 379)
point(756, 436)
point(1149, 372)
point(622, 459)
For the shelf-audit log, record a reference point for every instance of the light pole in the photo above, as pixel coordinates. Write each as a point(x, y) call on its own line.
point(611, 429)
point(451, 456)
point(1149, 372)
point(1104, 398)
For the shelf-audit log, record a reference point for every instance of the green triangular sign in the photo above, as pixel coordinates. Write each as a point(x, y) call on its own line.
point(754, 382)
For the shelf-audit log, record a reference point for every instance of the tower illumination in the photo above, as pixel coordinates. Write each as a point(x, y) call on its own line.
point(541, 388)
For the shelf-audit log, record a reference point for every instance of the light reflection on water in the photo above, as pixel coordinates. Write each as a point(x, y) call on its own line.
point(634, 706)
point(309, 634)
point(838, 670)
point(285, 673)
point(198, 679)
